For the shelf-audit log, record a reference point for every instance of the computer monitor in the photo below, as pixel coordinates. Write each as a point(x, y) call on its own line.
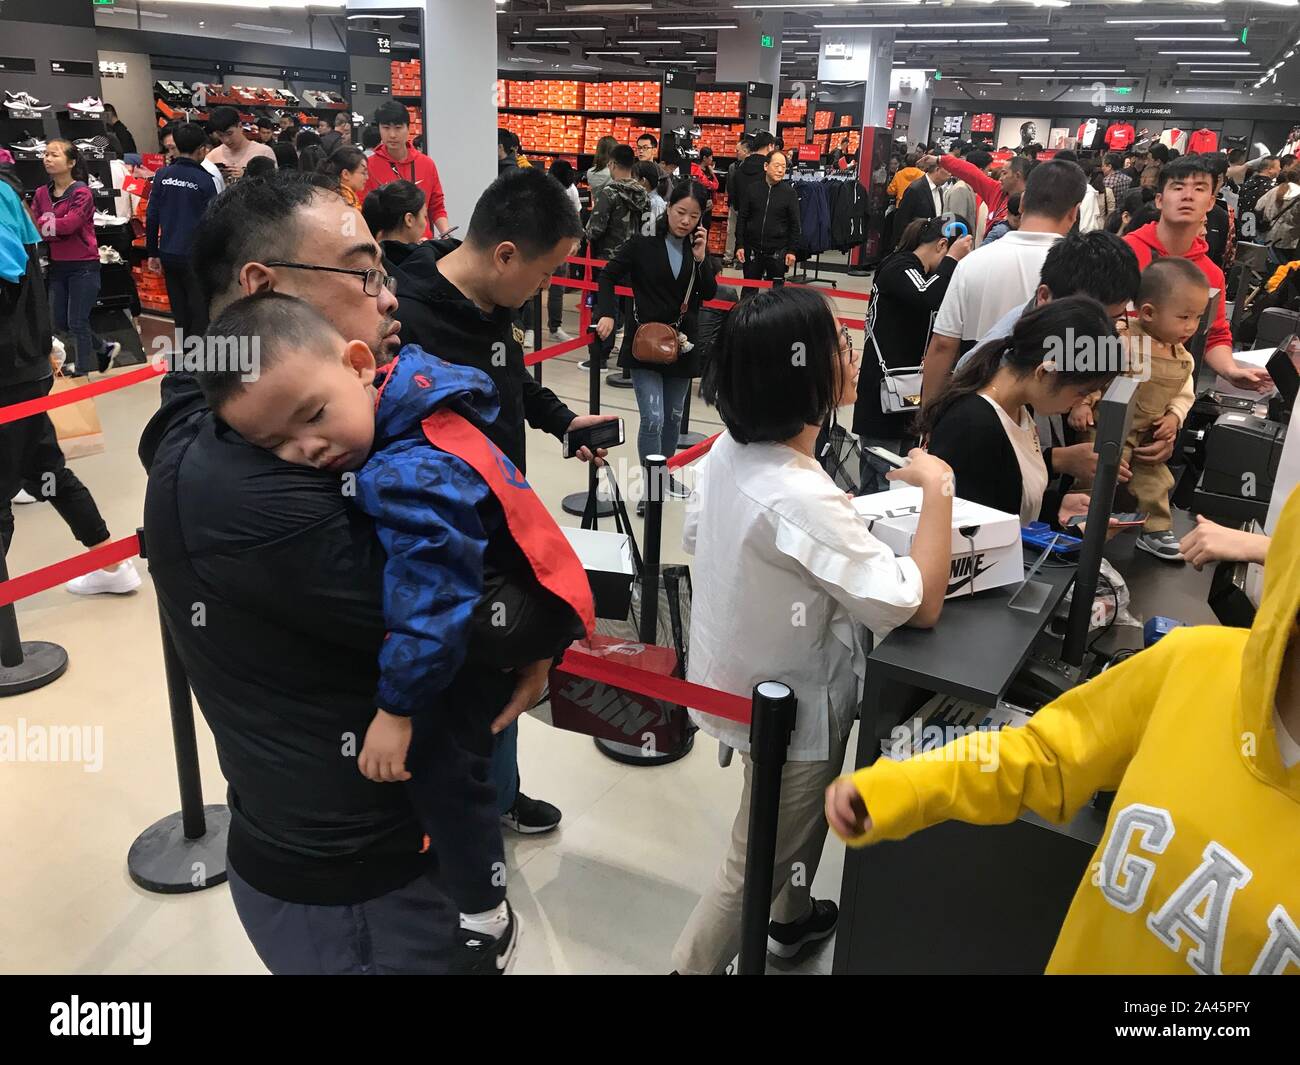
point(1114, 412)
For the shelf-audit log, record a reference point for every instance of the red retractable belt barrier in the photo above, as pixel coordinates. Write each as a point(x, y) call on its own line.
point(690, 454)
point(40, 580)
point(657, 686)
point(743, 282)
point(29, 407)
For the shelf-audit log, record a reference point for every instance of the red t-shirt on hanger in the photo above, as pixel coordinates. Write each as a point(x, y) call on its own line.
point(1119, 136)
point(1203, 140)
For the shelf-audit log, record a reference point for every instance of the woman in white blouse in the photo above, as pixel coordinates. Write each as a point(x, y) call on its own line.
point(785, 572)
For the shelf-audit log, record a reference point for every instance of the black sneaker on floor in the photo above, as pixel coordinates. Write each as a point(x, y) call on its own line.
point(482, 955)
point(585, 364)
point(786, 940)
point(531, 817)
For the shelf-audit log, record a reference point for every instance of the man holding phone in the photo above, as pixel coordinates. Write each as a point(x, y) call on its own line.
point(455, 299)
point(767, 223)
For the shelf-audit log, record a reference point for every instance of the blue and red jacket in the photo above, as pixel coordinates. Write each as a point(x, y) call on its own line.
point(447, 503)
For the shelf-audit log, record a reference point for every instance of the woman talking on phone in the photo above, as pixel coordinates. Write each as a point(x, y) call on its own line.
point(670, 276)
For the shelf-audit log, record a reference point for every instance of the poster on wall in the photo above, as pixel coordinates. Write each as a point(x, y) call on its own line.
point(1017, 132)
point(1059, 137)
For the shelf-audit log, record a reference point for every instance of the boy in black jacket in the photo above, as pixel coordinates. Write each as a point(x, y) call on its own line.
point(181, 193)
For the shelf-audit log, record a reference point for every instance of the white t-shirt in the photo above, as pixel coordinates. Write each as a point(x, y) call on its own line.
point(1286, 743)
point(1029, 455)
point(785, 572)
point(990, 281)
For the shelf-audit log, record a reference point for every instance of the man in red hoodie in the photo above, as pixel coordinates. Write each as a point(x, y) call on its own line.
point(397, 160)
point(1185, 198)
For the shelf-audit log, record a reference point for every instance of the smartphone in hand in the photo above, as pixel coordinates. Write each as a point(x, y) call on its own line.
point(603, 434)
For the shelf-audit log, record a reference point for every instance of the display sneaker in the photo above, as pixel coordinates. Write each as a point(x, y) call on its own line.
point(1161, 544)
point(29, 148)
point(480, 954)
point(109, 256)
point(103, 218)
point(559, 336)
point(119, 581)
point(89, 105)
point(786, 940)
point(95, 184)
point(93, 147)
point(531, 817)
point(23, 101)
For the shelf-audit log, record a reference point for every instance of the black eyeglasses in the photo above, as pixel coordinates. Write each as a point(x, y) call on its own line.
point(372, 280)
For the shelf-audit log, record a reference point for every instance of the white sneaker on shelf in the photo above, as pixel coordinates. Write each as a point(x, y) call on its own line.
point(103, 218)
point(559, 336)
point(120, 581)
point(89, 105)
point(23, 496)
point(23, 101)
point(95, 184)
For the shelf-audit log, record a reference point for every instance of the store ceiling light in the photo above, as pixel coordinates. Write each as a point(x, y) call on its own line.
point(928, 40)
point(568, 29)
point(261, 5)
point(1019, 70)
point(1227, 73)
point(535, 40)
point(1185, 52)
point(951, 25)
point(861, 26)
point(1041, 53)
point(367, 18)
point(696, 26)
point(607, 51)
point(650, 40)
point(701, 52)
point(1230, 92)
point(1189, 40)
point(260, 29)
point(1165, 21)
point(673, 62)
point(1217, 63)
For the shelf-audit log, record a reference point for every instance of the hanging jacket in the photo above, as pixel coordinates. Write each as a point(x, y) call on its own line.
point(1196, 869)
point(848, 214)
point(768, 219)
point(439, 318)
point(618, 214)
point(814, 216)
point(438, 518)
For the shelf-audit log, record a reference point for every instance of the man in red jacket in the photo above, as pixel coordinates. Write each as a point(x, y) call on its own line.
point(397, 160)
point(995, 192)
point(1185, 198)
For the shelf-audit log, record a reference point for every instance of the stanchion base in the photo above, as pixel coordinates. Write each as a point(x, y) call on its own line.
point(42, 663)
point(576, 503)
point(161, 859)
point(622, 379)
point(689, 439)
point(859, 271)
point(629, 755)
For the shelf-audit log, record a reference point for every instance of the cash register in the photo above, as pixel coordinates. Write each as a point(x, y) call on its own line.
point(1242, 448)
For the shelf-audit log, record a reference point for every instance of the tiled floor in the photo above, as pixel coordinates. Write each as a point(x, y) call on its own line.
point(608, 892)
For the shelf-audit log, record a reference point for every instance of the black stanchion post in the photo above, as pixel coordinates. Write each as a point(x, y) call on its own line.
point(576, 502)
point(770, 728)
point(686, 438)
point(25, 666)
point(656, 479)
point(537, 334)
point(648, 624)
point(184, 851)
point(623, 379)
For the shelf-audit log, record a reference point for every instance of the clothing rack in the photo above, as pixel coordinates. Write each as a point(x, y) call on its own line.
point(809, 173)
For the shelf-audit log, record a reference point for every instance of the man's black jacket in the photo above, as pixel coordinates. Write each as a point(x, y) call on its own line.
point(444, 322)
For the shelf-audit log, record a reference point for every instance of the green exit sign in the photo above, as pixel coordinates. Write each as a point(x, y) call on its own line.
point(766, 40)
point(1243, 34)
point(1123, 90)
point(101, 3)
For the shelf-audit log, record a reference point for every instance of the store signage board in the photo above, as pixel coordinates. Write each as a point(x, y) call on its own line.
point(1136, 109)
point(385, 44)
point(16, 65)
point(72, 68)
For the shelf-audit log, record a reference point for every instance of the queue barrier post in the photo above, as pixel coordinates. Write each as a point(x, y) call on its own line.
point(623, 378)
point(25, 665)
point(576, 502)
point(656, 472)
point(685, 437)
point(184, 851)
point(770, 728)
point(537, 334)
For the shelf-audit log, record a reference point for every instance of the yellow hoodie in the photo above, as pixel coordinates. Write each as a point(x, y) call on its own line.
point(1199, 867)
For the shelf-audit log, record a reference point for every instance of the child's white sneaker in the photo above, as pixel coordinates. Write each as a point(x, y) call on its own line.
point(120, 581)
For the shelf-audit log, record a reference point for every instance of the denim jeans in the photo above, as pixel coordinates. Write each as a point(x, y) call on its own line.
point(505, 767)
point(74, 287)
point(660, 400)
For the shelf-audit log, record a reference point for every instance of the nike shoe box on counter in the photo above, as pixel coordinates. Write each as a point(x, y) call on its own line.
point(986, 550)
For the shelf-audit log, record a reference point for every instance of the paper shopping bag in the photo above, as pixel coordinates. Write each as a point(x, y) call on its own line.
point(76, 424)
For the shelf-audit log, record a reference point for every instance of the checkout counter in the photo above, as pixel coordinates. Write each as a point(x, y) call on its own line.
point(960, 898)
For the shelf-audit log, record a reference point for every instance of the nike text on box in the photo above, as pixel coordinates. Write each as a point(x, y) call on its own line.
point(995, 536)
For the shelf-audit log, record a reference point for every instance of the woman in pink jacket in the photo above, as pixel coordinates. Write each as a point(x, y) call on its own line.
point(65, 216)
